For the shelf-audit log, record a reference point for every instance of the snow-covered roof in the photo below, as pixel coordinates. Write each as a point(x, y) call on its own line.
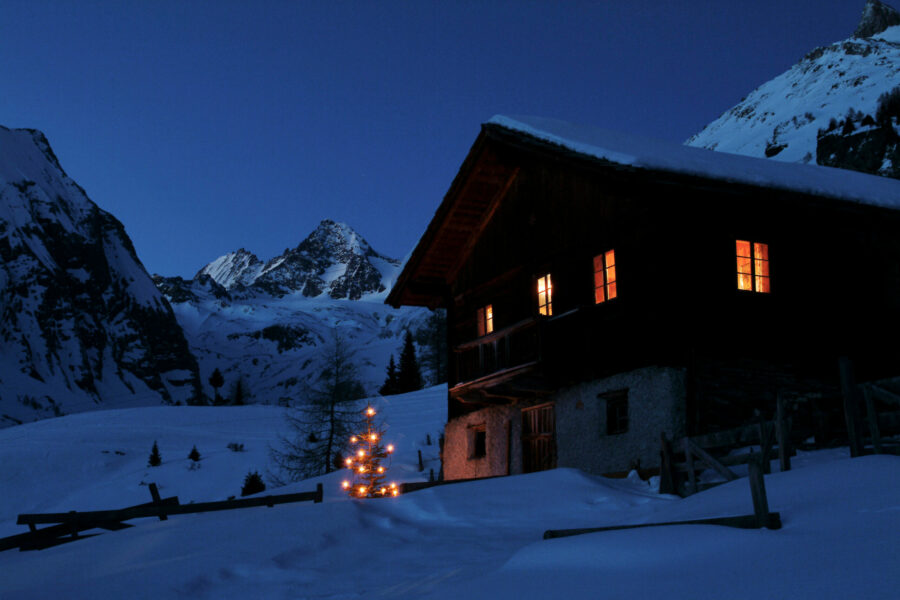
point(660, 155)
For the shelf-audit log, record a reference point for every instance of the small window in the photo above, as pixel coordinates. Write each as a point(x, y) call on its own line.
point(477, 441)
point(485, 320)
point(753, 267)
point(616, 412)
point(605, 276)
point(545, 295)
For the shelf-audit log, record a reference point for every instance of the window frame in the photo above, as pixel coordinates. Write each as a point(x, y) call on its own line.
point(602, 283)
point(485, 320)
point(545, 309)
point(617, 411)
point(756, 266)
point(477, 441)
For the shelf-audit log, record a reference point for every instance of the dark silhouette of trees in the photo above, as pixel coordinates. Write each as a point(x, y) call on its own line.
point(216, 381)
point(253, 484)
point(321, 424)
point(155, 459)
point(409, 378)
point(392, 381)
point(433, 338)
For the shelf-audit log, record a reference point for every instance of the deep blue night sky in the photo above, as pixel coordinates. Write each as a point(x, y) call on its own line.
point(209, 126)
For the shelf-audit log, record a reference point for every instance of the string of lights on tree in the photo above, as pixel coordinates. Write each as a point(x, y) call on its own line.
point(365, 462)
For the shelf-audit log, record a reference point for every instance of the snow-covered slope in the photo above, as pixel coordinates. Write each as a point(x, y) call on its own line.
point(265, 324)
point(81, 323)
point(98, 460)
point(781, 119)
point(470, 540)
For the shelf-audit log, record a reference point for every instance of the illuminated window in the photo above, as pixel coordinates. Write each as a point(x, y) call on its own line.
point(485, 320)
point(753, 267)
point(545, 295)
point(604, 276)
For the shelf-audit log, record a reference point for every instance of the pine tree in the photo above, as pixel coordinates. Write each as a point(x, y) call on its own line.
point(216, 381)
point(409, 376)
point(434, 338)
point(155, 459)
point(194, 454)
point(392, 381)
point(253, 484)
point(238, 392)
point(365, 461)
point(322, 423)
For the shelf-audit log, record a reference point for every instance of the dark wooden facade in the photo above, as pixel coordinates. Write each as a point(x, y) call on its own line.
point(521, 208)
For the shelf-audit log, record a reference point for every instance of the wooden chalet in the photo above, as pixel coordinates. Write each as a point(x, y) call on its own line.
point(601, 290)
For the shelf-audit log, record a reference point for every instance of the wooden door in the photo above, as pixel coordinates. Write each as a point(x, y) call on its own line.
point(538, 438)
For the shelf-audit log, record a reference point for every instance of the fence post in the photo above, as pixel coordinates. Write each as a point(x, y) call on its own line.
point(851, 406)
point(154, 492)
point(666, 475)
point(873, 420)
point(319, 493)
point(689, 458)
point(764, 446)
point(758, 493)
point(783, 435)
point(421, 464)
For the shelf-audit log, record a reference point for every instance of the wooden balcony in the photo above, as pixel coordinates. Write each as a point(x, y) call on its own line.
point(498, 355)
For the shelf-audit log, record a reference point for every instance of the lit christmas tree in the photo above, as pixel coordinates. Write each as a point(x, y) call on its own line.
point(365, 463)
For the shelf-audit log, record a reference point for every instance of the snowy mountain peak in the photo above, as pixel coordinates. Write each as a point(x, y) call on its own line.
point(876, 17)
point(333, 260)
point(336, 238)
point(234, 268)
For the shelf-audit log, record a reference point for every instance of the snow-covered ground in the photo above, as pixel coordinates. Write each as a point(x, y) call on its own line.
point(479, 539)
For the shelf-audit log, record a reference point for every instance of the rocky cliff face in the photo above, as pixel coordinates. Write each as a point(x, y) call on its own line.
point(81, 323)
point(791, 116)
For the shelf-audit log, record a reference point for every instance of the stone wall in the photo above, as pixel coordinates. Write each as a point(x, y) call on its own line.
point(656, 403)
point(503, 438)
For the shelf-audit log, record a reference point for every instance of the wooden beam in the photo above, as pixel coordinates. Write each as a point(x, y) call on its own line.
point(872, 417)
point(475, 233)
point(667, 483)
point(689, 459)
point(711, 461)
point(157, 501)
point(772, 521)
point(758, 493)
point(782, 432)
point(851, 405)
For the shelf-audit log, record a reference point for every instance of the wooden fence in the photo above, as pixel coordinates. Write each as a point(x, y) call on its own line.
point(68, 526)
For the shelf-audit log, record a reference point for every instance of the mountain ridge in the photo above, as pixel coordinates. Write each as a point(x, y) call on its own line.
point(81, 323)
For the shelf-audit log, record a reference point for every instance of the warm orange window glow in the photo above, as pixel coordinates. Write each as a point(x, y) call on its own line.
point(485, 320)
point(545, 295)
point(753, 269)
point(604, 276)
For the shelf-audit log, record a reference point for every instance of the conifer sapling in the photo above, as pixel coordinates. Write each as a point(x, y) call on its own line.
point(253, 484)
point(155, 459)
point(365, 462)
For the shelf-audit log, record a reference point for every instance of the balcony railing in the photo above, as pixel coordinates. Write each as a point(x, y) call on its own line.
point(499, 351)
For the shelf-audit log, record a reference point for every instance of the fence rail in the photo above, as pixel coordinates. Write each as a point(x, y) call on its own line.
point(68, 525)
